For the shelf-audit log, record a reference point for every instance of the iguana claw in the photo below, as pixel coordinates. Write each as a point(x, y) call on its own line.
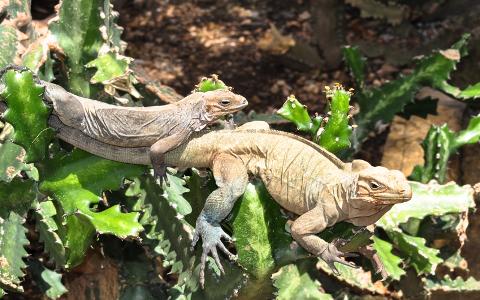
point(331, 254)
point(211, 239)
point(160, 172)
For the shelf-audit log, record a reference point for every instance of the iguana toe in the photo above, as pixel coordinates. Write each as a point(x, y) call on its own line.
point(211, 236)
point(160, 172)
point(331, 255)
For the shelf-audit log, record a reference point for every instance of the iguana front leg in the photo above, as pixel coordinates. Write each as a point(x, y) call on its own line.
point(312, 222)
point(160, 147)
point(231, 177)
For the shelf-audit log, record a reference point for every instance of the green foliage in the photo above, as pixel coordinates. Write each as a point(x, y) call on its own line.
point(12, 158)
point(381, 104)
point(293, 282)
point(27, 113)
point(353, 277)
point(332, 132)
point(335, 135)
point(77, 189)
point(55, 288)
point(17, 196)
point(50, 282)
point(357, 64)
point(428, 200)
point(48, 231)
point(295, 112)
point(210, 84)
point(391, 262)
point(439, 144)
point(109, 66)
point(12, 243)
point(173, 191)
point(257, 212)
point(9, 38)
point(79, 36)
point(447, 284)
point(92, 39)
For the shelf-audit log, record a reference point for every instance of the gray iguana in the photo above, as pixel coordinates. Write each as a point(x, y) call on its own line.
point(162, 128)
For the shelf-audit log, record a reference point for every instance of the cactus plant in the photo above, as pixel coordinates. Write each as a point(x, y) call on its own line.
point(332, 132)
point(439, 144)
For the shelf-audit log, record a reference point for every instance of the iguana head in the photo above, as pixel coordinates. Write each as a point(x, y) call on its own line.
point(379, 185)
point(222, 102)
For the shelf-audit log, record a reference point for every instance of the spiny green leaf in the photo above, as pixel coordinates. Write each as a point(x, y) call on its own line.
point(297, 113)
point(381, 104)
point(27, 113)
point(77, 187)
point(439, 144)
point(109, 66)
point(48, 231)
point(77, 238)
point(12, 158)
point(447, 284)
point(421, 257)
point(35, 56)
point(354, 277)
point(9, 38)
point(470, 135)
point(356, 64)
point(173, 192)
point(17, 196)
point(113, 32)
point(390, 261)
point(77, 31)
point(210, 84)
point(54, 280)
point(335, 135)
point(471, 92)
point(12, 251)
point(257, 212)
point(77, 181)
point(293, 283)
point(429, 199)
point(49, 282)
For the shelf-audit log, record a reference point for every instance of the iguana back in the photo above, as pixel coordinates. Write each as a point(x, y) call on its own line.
point(127, 126)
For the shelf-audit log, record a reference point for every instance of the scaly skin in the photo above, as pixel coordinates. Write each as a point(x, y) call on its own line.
point(301, 176)
point(162, 128)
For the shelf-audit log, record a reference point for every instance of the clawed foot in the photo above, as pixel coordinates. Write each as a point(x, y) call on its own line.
point(160, 172)
point(211, 239)
point(331, 254)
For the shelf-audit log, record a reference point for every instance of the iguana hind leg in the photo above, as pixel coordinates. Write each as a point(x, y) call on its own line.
point(158, 150)
point(231, 177)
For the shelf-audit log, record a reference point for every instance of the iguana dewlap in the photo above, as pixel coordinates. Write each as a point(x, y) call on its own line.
point(301, 176)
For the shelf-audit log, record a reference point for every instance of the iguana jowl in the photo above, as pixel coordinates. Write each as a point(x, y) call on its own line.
point(301, 176)
point(162, 128)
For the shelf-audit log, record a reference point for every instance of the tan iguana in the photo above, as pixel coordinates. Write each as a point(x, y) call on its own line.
point(300, 175)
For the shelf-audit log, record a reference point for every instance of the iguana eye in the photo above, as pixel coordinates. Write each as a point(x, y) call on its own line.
point(225, 102)
point(374, 185)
